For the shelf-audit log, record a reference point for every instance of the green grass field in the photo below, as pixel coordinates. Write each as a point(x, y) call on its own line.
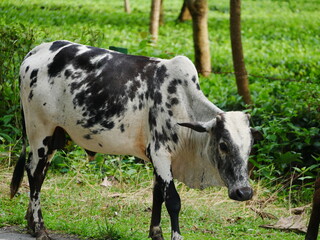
point(77, 204)
point(281, 45)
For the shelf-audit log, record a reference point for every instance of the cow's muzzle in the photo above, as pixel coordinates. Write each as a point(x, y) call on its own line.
point(241, 194)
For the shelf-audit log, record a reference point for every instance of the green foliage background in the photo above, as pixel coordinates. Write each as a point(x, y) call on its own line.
point(280, 39)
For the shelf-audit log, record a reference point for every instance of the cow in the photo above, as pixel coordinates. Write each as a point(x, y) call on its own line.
point(114, 103)
point(313, 226)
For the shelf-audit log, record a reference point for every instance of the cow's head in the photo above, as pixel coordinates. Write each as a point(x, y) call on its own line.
point(229, 146)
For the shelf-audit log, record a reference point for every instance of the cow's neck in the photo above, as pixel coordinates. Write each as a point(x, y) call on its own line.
point(191, 163)
point(193, 146)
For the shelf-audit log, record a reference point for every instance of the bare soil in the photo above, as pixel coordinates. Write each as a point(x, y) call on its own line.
point(18, 233)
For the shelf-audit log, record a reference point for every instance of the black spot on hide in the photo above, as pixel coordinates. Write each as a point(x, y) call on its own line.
point(61, 59)
point(155, 76)
point(161, 74)
point(166, 135)
point(122, 128)
point(168, 124)
point(87, 136)
point(67, 73)
point(28, 55)
point(108, 124)
point(160, 138)
point(133, 89)
point(157, 98)
point(152, 120)
point(33, 77)
point(41, 152)
point(83, 62)
point(134, 108)
point(148, 152)
point(46, 141)
point(174, 101)
point(174, 137)
point(57, 45)
point(56, 141)
point(30, 95)
point(172, 88)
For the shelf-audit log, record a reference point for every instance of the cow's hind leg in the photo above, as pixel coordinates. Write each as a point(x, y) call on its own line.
point(42, 149)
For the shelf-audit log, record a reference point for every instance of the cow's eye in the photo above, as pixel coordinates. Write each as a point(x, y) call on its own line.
point(224, 147)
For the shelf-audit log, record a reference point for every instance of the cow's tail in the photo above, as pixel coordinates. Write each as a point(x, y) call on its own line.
point(20, 166)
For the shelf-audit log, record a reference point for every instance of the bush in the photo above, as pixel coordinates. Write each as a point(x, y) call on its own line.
point(15, 42)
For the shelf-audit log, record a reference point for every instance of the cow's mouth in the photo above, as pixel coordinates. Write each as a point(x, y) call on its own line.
point(241, 194)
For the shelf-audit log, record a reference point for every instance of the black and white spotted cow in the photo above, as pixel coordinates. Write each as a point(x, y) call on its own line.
point(114, 103)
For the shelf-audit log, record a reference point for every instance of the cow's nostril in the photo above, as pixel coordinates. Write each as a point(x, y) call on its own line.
point(242, 194)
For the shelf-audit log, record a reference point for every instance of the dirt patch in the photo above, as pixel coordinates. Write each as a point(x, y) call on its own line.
point(18, 233)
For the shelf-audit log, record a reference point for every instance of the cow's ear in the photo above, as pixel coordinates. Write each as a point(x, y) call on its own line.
point(256, 134)
point(199, 126)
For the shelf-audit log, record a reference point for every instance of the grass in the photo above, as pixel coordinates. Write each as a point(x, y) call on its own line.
point(76, 203)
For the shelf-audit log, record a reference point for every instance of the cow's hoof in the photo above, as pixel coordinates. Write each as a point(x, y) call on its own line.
point(156, 233)
point(43, 235)
point(158, 238)
point(176, 236)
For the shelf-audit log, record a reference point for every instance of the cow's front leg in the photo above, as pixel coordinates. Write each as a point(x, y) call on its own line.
point(173, 205)
point(164, 191)
point(155, 228)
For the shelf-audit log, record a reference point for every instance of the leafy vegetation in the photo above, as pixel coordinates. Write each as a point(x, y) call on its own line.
point(279, 38)
point(76, 203)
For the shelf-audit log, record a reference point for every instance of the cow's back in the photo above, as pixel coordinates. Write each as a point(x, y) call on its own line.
point(96, 95)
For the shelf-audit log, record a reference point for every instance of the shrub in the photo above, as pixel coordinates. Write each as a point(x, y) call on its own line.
point(15, 42)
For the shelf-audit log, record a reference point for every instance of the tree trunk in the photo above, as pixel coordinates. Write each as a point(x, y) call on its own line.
point(127, 8)
point(199, 13)
point(161, 18)
point(313, 226)
point(237, 53)
point(184, 13)
point(154, 19)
